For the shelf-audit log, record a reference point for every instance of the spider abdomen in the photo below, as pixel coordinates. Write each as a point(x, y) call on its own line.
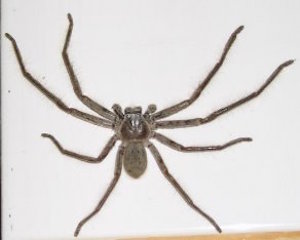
point(135, 159)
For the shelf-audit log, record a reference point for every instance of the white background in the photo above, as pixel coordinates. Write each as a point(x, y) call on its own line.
point(137, 53)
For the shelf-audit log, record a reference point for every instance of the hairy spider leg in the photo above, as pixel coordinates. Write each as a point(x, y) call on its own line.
point(102, 111)
point(198, 121)
point(179, 189)
point(57, 101)
point(184, 104)
point(117, 174)
point(109, 145)
point(172, 144)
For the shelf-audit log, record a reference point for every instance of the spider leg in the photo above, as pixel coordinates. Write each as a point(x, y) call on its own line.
point(109, 145)
point(198, 121)
point(172, 144)
point(184, 104)
point(76, 87)
point(179, 189)
point(117, 173)
point(74, 112)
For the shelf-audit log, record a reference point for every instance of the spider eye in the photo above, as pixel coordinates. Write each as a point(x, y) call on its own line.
point(132, 115)
point(128, 110)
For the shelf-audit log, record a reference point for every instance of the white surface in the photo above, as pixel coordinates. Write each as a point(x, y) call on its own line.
point(137, 53)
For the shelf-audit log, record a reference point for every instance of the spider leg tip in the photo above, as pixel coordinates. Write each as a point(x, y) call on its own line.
point(218, 229)
point(292, 61)
point(287, 63)
point(76, 232)
point(9, 36)
point(239, 29)
point(70, 17)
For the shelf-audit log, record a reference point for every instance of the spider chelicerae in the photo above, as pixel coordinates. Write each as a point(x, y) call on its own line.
point(135, 129)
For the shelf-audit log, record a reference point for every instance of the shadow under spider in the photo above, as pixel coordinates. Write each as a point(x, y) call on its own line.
point(135, 129)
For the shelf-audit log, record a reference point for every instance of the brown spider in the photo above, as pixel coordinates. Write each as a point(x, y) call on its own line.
point(134, 128)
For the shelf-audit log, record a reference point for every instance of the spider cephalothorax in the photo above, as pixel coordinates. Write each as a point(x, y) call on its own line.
point(132, 125)
point(135, 129)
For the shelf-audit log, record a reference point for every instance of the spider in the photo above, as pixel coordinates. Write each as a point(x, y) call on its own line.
point(135, 129)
